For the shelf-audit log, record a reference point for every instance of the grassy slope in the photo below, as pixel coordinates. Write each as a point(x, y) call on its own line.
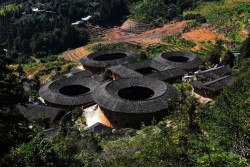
point(229, 16)
point(48, 69)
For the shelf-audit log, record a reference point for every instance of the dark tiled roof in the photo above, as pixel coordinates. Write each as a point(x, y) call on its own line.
point(215, 73)
point(167, 74)
point(84, 73)
point(99, 127)
point(161, 70)
point(52, 92)
point(97, 77)
point(180, 60)
point(124, 72)
point(107, 96)
point(214, 85)
point(31, 112)
point(91, 61)
point(197, 84)
point(147, 63)
point(218, 84)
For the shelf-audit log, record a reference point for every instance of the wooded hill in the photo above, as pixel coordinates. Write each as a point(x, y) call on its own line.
point(41, 28)
point(213, 134)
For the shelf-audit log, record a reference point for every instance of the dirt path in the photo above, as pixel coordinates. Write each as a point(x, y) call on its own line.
point(146, 38)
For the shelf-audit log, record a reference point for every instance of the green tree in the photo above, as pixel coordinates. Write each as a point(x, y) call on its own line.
point(11, 90)
point(228, 59)
point(215, 53)
point(38, 152)
point(230, 117)
point(13, 126)
point(20, 70)
point(245, 49)
point(149, 11)
point(13, 129)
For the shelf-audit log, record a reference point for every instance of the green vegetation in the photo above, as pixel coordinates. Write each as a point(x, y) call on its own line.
point(245, 48)
point(65, 149)
point(178, 41)
point(172, 43)
point(230, 17)
point(47, 37)
point(159, 11)
point(11, 90)
point(215, 134)
point(6, 9)
point(193, 134)
point(191, 25)
point(13, 126)
point(106, 75)
point(121, 45)
point(41, 34)
point(46, 69)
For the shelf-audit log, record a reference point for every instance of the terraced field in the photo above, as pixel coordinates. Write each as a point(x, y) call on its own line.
point(145, 39)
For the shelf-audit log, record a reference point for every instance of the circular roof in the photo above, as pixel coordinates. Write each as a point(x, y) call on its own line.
point(109, 58)
point(134, 95)
point(72, 91)
point(181, 60)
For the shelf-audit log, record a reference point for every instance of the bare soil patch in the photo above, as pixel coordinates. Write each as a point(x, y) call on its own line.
point(132, 32)
point(203, 35)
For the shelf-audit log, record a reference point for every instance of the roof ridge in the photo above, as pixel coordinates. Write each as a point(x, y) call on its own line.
point(211, 69)
point(216, 80)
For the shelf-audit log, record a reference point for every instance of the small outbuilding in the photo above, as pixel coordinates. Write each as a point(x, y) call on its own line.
point(99, 61)
point(212, 88)
point(35, 112)
point(128, 102)
point(180, 60)
point(99, 127)
point(214, 73)
point(69, 92)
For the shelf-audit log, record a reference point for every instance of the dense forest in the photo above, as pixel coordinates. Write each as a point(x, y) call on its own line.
point(194, 134)
point(51, 27)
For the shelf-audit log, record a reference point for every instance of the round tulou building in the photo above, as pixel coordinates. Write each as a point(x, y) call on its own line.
point(128, 102)
point(181, 60)
point(99, 61)
point(69, 92)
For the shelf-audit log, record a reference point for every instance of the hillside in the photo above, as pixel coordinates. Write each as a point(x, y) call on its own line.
point(43, 40)
point(221, 24)
point(150, 38)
